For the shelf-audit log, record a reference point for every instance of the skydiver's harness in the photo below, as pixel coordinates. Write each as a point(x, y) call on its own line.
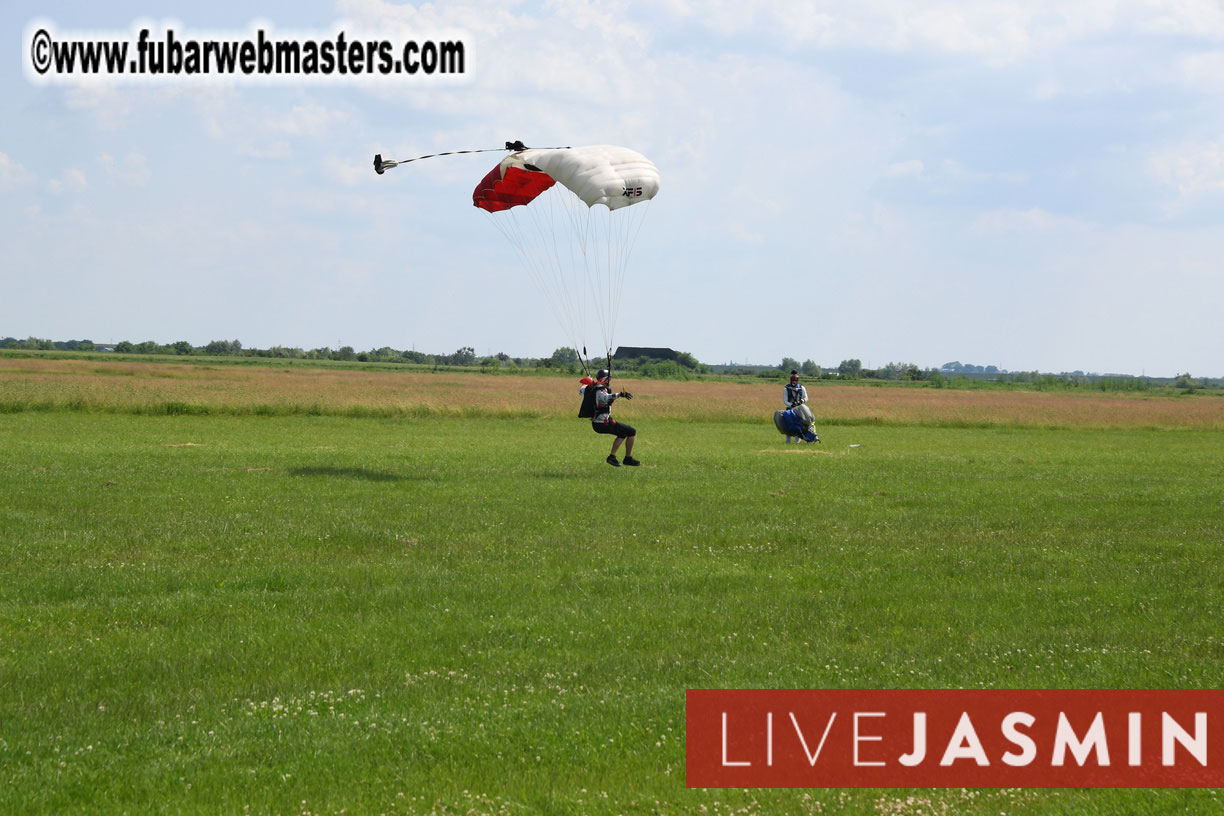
point(592, 409)
point(602, 410)
point(792, 394)
point(590, 402)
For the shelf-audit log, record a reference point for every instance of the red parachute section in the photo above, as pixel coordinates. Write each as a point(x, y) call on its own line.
point(497, 192)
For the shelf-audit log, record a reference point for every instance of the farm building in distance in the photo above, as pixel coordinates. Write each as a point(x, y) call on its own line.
point(631, 352)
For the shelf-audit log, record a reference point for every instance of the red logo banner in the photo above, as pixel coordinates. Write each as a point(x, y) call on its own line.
point(951, 738)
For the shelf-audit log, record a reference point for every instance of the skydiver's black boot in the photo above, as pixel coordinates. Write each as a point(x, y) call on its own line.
point(629, 460)
point(612, 460)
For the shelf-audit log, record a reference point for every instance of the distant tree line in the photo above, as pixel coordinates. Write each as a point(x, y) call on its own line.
point(36, 343)
point(963, 375)
point(677, 365)
point(563, 359)
point(967, 375)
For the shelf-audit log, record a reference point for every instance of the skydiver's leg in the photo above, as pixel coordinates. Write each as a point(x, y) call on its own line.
point(616, 443)
point(629, 445)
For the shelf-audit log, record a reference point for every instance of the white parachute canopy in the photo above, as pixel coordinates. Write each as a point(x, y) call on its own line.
point(576, 250)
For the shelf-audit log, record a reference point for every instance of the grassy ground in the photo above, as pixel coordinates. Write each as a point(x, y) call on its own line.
point(228, 612)
point(360, 390)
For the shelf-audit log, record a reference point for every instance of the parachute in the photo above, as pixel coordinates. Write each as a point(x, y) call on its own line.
point(798, 421)
point(545, 203)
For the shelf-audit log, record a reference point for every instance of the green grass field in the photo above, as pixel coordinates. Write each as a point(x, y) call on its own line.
point(322, 614)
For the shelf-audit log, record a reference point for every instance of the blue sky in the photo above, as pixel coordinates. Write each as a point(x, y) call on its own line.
point(1033, 185)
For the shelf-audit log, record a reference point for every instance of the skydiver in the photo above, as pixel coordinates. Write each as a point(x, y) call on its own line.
point(602, 421)
point(796, 394)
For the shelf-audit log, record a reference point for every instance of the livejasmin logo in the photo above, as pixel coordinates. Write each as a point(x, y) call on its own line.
point(954, 738)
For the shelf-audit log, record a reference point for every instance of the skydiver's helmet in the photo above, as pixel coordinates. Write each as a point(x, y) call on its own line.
point(602, 376)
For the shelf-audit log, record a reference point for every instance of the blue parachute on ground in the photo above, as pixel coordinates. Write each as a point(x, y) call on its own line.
point(798, 421)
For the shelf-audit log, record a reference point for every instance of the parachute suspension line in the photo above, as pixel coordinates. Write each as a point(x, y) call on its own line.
point(616, 265)
point(583, 227)
point(578, 258)
point(608, 250)
point(607, 242)
point(566, 263)
point(509, 225)
point(604, 275)
point(586, 228)
point(616, 269)
point(598, 272)
point(546, 251)
point(568, 298)
point(630, 221)
point(540, 260)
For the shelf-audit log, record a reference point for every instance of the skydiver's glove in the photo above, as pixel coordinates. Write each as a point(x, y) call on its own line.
point(626, 395)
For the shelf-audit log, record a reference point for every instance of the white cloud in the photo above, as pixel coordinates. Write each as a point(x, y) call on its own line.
point(108, 106)
point(741, 232)
point(992, 29)
point(306, 119)
point(12, 174)
point(997, 32)
point(985, 29)
point(574, 51)
point(71, 180)
point(1203, 71)
point(809, 25)
point(1202, 19)
point(1034, 220)
point(133, 170)
point(277, 149)
point(901, 169)
point(346, 171)
point(277, 131)
point(959, 172)
point(1193, 168)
